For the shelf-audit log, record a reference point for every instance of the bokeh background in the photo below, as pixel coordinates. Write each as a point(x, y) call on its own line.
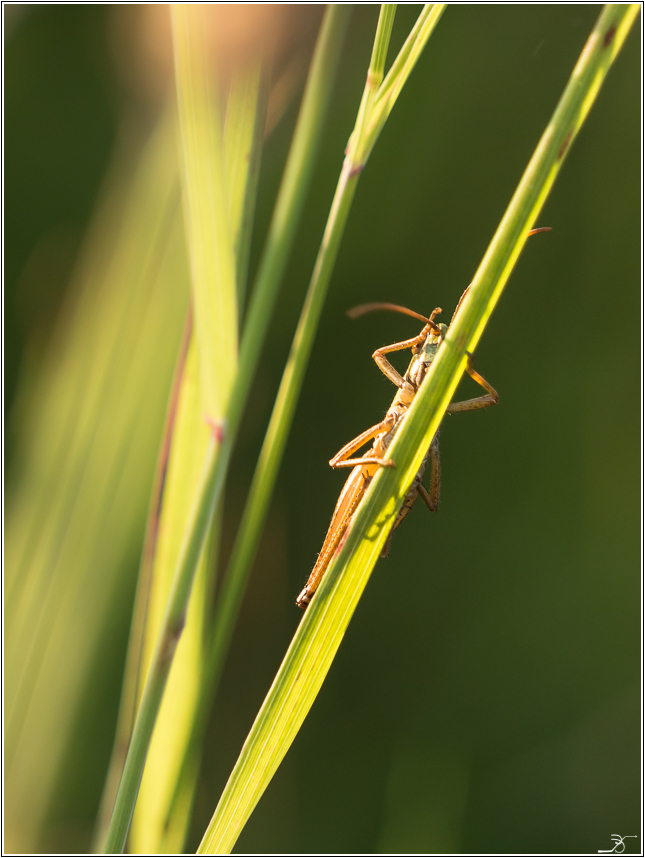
point(486, 696)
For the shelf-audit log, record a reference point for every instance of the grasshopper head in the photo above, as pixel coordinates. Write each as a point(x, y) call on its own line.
point(430, 346)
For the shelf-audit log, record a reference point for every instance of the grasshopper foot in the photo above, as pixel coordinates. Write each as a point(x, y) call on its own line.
point(304, 598)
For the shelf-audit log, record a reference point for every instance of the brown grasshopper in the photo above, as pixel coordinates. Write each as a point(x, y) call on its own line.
point(424, 349)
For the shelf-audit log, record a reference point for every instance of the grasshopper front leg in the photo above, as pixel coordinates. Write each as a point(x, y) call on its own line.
point(341, 459)
point(386, 367)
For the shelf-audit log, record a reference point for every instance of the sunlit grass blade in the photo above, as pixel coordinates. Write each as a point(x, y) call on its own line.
point(212, 265)
point(189, 442)
point(381, 94)
point(89, 440)
point(321, 630)
point(243, 133)
point(206, 209)
point(159, 822)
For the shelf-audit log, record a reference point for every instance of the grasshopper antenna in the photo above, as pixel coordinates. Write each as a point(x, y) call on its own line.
point(362, 309)
point(540, 229)
point(529, 233)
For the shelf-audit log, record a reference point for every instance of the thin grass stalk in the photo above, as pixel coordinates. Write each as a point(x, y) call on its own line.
point(322, 628)
point(160, 668)
point(404, 53)
point(382, 39)
point(402, 66)
point(291, 199)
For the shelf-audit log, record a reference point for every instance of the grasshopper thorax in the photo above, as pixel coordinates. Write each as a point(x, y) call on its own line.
point(425, 353)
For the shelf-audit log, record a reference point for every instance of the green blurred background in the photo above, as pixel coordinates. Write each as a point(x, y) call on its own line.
point(486, 696)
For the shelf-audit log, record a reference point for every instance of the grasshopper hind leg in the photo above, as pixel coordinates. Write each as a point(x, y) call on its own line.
point(430, 498)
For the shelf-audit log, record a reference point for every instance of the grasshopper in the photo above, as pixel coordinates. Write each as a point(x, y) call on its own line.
point(424, 349)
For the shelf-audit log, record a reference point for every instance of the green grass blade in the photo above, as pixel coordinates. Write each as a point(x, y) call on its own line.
point(411, 50)
point(401, 69)
point(208, 233)
point(243, 130)
point(168, 744)
point(382, 39)
point(160, 822)
point(276, 437)
point(356, 153)
point(173, 624)
point(321, 630)
point(184, 449)
point(206, 210)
